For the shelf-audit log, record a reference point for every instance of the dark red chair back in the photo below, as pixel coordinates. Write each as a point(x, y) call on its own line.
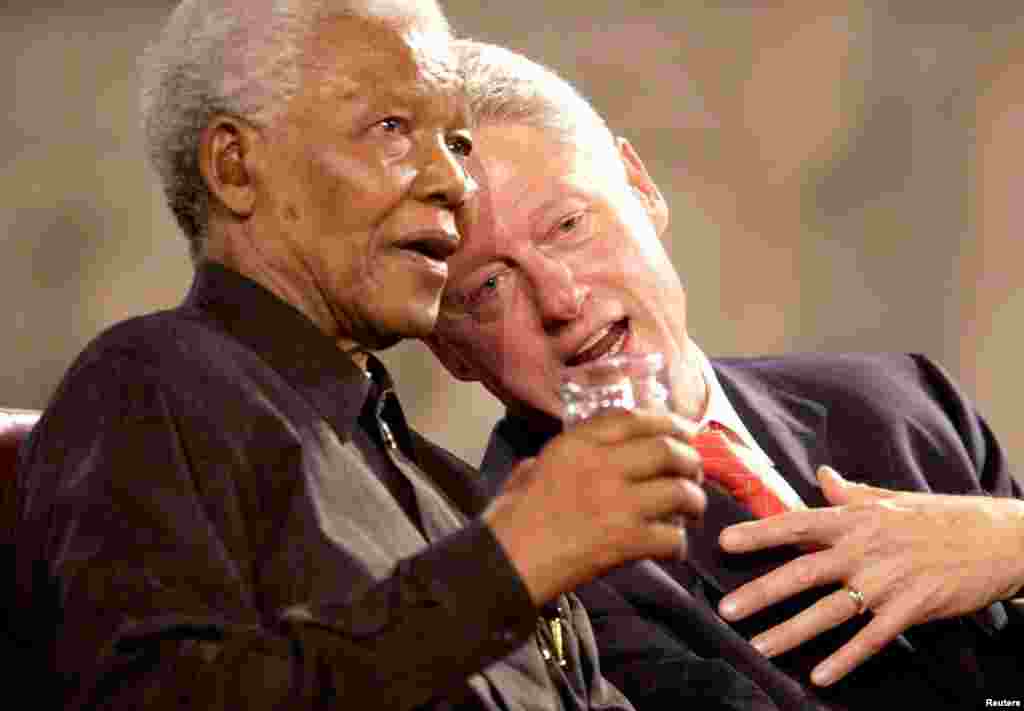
point(21, 658)
point(14, 427)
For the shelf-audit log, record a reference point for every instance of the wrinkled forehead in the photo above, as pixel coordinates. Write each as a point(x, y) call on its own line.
point(520, 168)
point(516, 167)
point(349, 54)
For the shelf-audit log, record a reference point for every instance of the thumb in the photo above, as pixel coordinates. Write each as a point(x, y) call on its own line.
point(839, 492)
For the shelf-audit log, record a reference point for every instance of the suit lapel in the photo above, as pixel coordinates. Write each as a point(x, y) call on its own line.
point(648, 585)
point(791, 431)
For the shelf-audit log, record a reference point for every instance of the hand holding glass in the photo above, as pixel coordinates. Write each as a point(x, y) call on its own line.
point(626, 381)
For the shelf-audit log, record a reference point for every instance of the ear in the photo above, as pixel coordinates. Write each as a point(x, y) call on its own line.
point(646, 191)
point(450, 358)
point(225, 161)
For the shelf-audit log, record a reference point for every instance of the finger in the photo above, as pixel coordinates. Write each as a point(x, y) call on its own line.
point(615, 425)
point(665, 497)
point(671, 537)
point(814, 528)
point(807, 571)
point(840, 492)
point(828, 612)
point(659, 539)
point(650, 457)
point(882, 630)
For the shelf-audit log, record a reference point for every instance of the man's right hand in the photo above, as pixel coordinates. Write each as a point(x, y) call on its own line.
point(597, 496)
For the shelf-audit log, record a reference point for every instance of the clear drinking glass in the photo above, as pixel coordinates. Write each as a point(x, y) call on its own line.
point(625, 381)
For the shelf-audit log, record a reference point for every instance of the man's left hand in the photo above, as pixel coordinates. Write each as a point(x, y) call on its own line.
point(913, 557)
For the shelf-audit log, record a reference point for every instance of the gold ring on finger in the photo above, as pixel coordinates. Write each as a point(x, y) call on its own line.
point(858, 598)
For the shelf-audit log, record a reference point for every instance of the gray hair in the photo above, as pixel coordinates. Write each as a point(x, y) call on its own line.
point(502, 86)
point(235, 57)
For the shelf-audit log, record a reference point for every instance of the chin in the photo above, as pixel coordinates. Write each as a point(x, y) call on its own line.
point(380, 341)
point(421, 323)
point(413, 326)
point(397, 316)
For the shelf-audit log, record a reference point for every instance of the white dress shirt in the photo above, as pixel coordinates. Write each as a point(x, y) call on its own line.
point(720, 410)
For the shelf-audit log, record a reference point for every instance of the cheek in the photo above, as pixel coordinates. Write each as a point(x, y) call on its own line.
point(344, 166)
point(510, 357)
point(524, 366)
point(334, 179)
point(402, 174)
point(350, 187)
point(290, 213)
point(504, 351)
point(635, 261)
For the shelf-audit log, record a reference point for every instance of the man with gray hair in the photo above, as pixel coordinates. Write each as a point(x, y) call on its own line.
point(222, 506)
point(898, 594)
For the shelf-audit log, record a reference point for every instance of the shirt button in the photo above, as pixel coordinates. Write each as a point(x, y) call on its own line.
point(386, 433)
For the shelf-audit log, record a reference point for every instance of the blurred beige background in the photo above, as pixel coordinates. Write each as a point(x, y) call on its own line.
point(857, 165)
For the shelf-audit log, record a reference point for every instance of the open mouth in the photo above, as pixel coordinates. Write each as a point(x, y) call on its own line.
point(607, 342)
point(436, 246)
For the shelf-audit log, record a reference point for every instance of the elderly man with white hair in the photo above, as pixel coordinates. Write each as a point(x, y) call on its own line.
point(223, 506)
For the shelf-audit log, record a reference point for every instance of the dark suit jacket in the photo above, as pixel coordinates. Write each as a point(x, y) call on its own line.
point(892, 421)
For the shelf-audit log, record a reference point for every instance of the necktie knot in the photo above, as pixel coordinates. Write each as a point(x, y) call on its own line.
point(729, 463)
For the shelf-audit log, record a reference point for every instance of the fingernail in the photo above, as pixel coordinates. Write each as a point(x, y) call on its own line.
point(761, 645)
point(823, 674)
point(830, 472)
point(727, 607)
point(729, 538)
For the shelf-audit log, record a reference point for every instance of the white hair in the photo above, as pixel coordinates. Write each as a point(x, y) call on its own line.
point(236, 57)
point(504, 87)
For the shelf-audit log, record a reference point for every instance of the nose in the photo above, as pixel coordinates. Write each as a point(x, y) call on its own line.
point(559, 295)
point(443, 178)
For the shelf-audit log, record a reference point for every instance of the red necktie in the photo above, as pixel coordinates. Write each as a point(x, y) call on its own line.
point(724, 465)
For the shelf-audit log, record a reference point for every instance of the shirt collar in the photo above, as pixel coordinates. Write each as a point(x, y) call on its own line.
point(720, 410)
point(287, 340)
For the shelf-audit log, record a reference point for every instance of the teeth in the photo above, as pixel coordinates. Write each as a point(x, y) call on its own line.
point(595, 338)
point(617, 346)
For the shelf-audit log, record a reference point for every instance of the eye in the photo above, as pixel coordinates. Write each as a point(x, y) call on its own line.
point(569, 224)
point(488, 287)
point(393, 124)
point(460, 144)
point(485, 290)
